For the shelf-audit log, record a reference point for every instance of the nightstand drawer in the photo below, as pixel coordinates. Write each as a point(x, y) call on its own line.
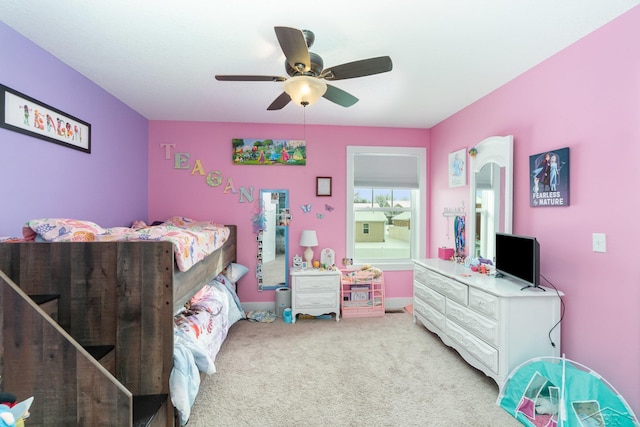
point(316, 284)
point(309, 300)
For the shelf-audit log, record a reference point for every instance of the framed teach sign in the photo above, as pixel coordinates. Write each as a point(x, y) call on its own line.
point(23, 114)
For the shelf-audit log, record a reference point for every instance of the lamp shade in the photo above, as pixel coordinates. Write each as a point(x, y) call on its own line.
point(308, 238)
point(305, 90)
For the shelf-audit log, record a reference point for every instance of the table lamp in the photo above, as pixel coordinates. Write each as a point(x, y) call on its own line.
point(308, 239)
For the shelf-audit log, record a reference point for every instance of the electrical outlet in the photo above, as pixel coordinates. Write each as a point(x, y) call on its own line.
point(599, 242)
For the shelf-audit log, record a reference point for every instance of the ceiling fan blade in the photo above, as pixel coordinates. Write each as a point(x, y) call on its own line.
point(232, 78)
point(364, 67)
point(294, 46)
point(339, 96)
point(280, 102)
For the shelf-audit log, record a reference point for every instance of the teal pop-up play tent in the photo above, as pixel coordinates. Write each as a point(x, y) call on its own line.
point(557, 392)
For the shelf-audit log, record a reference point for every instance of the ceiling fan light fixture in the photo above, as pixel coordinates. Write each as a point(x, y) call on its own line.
point(305, 90)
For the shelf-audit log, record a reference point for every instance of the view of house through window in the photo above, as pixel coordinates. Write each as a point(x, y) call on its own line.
point(386, 205)
point(382, 223)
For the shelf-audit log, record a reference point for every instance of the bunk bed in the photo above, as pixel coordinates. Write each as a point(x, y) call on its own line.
point(63, 301)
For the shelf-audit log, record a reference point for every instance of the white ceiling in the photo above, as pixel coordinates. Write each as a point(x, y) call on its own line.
point(160, 57)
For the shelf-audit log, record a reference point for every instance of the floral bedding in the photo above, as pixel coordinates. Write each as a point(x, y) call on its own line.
point(192, 240)
point(199, 333)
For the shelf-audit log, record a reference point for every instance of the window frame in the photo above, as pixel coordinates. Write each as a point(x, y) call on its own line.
point(418, 211)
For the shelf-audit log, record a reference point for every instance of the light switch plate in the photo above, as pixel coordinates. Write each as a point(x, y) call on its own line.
point(599, 242)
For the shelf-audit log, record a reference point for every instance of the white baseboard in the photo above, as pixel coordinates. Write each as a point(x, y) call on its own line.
point(390, 304)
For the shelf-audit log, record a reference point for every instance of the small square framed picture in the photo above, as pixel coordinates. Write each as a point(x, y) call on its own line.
point(323, 186)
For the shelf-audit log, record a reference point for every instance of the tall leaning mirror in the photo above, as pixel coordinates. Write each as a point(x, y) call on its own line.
point(273, 248)
point(491, 194)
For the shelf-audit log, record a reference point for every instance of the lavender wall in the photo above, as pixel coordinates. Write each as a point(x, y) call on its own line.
point(586, 98)
point(42, 179)
point(186, 192)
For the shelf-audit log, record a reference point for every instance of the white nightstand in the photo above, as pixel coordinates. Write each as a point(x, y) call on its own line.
point(315, 292)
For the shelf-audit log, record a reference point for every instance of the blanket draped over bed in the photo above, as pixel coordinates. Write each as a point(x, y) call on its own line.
point(199, 333)
point(192, 240)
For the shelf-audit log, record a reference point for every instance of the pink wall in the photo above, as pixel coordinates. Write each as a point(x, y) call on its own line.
point(179, 192)
point(586, 98)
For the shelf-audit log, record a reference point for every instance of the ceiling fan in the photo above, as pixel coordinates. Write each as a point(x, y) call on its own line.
point(306, 82)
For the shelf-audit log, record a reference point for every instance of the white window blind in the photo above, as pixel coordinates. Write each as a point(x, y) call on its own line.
point(385, 171)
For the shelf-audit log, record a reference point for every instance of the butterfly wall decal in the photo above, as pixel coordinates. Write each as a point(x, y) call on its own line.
point(320, 216)
point(329, 208)
point(306, 208)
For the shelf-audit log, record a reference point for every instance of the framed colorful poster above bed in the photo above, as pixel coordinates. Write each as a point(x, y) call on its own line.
point(23, 114)
point(290, 152)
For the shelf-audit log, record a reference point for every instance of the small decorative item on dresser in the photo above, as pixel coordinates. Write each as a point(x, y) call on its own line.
point(327, 257)
point(297, 262)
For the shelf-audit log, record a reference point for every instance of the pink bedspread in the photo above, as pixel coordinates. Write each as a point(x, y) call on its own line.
point(192, 240)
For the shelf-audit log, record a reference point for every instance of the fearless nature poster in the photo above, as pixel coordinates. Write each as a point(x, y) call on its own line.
point(549, 178)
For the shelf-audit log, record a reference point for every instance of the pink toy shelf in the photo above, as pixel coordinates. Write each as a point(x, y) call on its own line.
point(362, 294)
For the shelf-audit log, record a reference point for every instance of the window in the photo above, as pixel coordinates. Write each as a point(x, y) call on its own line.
point(386, 205)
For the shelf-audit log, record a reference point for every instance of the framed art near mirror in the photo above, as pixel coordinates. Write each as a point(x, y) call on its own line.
point(491, 194)
point(323, 186)
point(273, 248)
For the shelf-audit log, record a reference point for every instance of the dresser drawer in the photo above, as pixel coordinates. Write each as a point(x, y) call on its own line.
point(317, 284)
point(455, 290)
point(484, 303)
point(309, 300)
point(485, 328)
point(428, 312)
point(419, 274)
point(429, 296)
point(480, 350)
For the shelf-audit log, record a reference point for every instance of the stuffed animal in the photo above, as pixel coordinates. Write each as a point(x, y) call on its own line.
point(6, 417)
point(373, 270)
point(544, 406)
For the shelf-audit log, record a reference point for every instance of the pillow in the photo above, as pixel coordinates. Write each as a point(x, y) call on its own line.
point(231, 287)
point(61, 230)
point(235, 314)
point(236, 271)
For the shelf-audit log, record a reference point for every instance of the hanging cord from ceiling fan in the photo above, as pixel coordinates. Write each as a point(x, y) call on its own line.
point(304, 123)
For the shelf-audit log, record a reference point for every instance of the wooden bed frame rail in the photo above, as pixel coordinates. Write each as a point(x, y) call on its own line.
point(109, 294)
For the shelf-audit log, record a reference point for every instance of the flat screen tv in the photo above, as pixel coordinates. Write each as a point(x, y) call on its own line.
point(518, 257)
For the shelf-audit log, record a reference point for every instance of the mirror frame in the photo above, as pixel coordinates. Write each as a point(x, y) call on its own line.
point(498, 150)
point(285, 228)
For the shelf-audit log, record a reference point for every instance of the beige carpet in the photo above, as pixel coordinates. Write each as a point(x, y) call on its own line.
point(384, 371)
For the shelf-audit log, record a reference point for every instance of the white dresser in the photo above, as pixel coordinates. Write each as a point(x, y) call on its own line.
point(491, 322)
point(315, 292)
